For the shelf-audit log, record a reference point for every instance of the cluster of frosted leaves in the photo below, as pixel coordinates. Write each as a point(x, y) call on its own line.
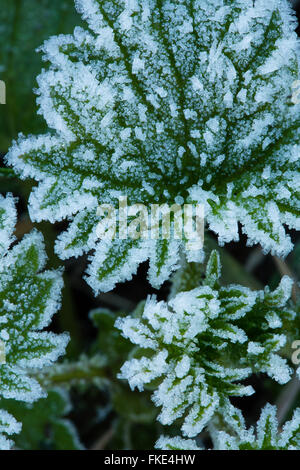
point(264, 436)
point(197, 349)
point(29, 297)
point(167, 102)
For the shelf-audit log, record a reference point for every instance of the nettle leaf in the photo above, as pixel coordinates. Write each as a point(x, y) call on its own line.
point(8, 426)
point(265, 435)
point(196, 350)
point(164, 102)
point(29, 297)
point(44, 423)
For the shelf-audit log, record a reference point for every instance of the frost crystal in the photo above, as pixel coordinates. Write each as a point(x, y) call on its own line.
point(176, 443)
point(265, 437)
point(8, 426)
point(200, 346)
point(29, 296)
point(164, 99)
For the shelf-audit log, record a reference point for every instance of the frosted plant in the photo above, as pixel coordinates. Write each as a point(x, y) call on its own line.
point(198, 348)
point(167, 102)
point(176, 443)
point(29, 296)
point(266, 435)
point(8, 426)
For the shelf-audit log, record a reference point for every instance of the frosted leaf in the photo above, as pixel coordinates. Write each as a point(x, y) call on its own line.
point(160, 100)
point(199, 347)
point(265, 436)
point(8, 426)
point(213, 269)
point(8, 218)
point(29, 297)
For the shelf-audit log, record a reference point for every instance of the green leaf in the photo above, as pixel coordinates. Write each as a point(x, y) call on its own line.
point(29, 297)
point(213, 269)
point(196, 350)
point(165, 103)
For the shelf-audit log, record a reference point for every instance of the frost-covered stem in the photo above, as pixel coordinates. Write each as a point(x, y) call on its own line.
point(84, 371)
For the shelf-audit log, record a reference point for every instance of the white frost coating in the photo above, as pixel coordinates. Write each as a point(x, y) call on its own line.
point(32, 297)
point(106, 252)
point(196, 106)
point(139, 372)
point(265, 436)
point(8, 219)
point(8, 426)
point(176, 443)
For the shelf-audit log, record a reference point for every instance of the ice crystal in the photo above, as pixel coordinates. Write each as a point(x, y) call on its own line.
point(176, 443)
point(29, 296)
point(197, 349)
point(8, 426)
point(162, 101)
point(264, 436)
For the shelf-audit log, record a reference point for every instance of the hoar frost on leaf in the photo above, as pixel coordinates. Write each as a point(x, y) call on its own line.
point(8, 426)
point(164, 99)
point(176, 443)
point(29, 296)
point(265, 435)
point(197, 349)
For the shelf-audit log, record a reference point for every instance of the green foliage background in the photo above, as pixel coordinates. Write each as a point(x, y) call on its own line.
point(24, 25)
